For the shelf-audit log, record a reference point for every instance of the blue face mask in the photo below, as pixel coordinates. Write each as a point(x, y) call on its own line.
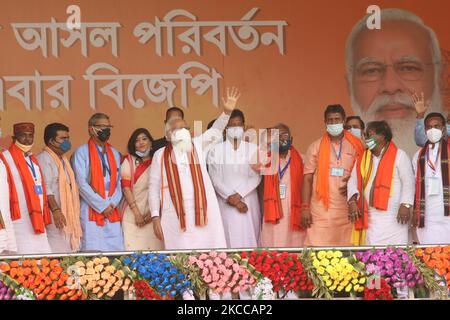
point(65, 146)
point(448, 130)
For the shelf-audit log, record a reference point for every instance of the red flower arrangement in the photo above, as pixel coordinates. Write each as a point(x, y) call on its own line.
point(144, 292)
point(284, 269)
point(382, 293)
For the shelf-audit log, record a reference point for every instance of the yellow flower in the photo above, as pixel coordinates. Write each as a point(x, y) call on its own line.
point(339, 289)
point(344, 261)
point(348, 277)
point(329, 283)
point(334, 275)
point(320, 270)
point(361, 289)
point(325, 277)
point(356, 287)
point(355, 281)
point(316, 264)
point(321, 254)
point(344, 283)
point(362, 280)
point(330, 254)
point(349, 268)
point(334, 261)
point(329, 269)
point(337, 254)
point(348, 288)
point(338, 268)
point(332, 288)
point(325, 262)
point(355, 274)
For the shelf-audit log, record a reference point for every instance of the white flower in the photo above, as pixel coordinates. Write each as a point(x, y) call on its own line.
point(263, 290)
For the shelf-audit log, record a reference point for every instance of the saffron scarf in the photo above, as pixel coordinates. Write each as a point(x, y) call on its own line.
point(97, 182)
point(380, 192)
point(40, 217)
point(272, 203)
point(173, 180)
point(323, 170)
point(69, 198)
point(420, 198)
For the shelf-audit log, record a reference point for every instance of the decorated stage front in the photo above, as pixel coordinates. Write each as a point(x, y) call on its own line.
point(383, 273)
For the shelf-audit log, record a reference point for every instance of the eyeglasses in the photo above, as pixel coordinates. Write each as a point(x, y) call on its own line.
point(406, 70)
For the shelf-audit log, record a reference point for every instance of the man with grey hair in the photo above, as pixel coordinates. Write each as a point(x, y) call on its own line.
point(386, 67)
point(96, 166)
point(184, 207)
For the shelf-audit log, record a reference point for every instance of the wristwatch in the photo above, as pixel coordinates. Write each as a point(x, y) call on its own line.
point(406, 205)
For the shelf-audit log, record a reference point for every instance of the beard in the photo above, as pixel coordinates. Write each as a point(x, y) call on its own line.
point(183, 145)
point(402, 128)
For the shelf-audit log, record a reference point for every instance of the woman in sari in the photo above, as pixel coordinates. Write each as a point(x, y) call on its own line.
point(137, 228)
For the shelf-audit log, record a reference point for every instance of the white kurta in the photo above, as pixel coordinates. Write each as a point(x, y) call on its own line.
point(231, 173)
point(7, 237)
point(383, 226)
point(58, 239)
point(210, 236)
point(28, 242)
point(437, 225)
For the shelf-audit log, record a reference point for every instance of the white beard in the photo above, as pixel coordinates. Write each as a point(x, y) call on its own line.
point(403, 128)
point(183, 146)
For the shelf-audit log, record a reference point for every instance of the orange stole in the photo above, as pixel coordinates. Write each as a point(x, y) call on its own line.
point(40, 217)
point(97, 182)
point(323, 170)
point(272, 203)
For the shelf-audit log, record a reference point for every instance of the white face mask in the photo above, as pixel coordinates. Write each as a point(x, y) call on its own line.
point(335, 129)
point(143, 154)
point(356, 132)
point(235, 133)
point(434, 135)
point(181, 139)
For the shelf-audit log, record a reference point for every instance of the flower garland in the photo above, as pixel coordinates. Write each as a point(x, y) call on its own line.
point(45, 278)
point(221, 272)
point(382, 293)
point(338, 272)
point(285, 270)
point(393, 264)
point(159, 272)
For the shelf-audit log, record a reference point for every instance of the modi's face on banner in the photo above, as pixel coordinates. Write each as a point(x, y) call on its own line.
point(385, 67)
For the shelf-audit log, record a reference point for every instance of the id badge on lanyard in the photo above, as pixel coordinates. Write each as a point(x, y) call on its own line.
point(337, 171)
point(37, 187)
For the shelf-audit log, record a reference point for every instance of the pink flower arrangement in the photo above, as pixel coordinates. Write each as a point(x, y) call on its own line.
point(222, 273)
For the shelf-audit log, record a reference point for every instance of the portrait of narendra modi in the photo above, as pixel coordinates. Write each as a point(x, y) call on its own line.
point(386, 66)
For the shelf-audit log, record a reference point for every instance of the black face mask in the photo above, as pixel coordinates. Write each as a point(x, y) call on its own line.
point(104, 134)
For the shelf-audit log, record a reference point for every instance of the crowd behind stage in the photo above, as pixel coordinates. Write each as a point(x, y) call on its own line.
point(227, 187)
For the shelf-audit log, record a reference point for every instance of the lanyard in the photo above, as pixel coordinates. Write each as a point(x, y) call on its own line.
point(31, 166)
point(338, 155)
point(432, 165)
point(104, 163)
point(283, 171)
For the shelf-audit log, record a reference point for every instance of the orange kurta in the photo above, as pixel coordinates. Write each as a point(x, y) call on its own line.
point(330, 227)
